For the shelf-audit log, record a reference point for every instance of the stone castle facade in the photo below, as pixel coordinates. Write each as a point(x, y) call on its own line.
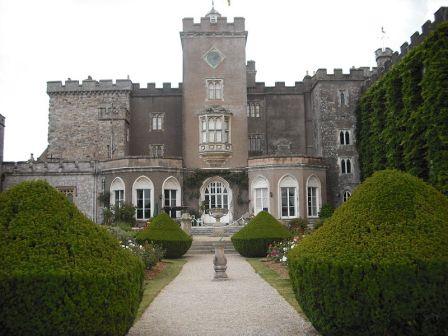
point(219, 139)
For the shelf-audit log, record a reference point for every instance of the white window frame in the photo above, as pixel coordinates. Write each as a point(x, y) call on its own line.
point(117, 185)
point(214, 129)
point(157, 151)
point(345, 133)
point(143, 183)
point(260, 191)
point(288, 183)
point(314, 202)
point(172, 184)
point(217, 191)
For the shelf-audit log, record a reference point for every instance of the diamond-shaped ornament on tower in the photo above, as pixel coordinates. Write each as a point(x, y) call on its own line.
point(213, 57)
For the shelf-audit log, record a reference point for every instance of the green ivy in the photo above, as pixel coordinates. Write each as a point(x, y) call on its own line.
point(402, 120)
point(194, 180)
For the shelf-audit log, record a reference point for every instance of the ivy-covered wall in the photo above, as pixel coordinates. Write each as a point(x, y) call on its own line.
point(402, 119)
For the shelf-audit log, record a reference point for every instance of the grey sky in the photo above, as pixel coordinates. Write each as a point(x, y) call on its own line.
point(109, 39)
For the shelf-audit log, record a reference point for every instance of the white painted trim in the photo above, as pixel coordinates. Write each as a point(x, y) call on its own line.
point(279, 193)
point(134, 194)
point(112, 189)
point(319, 195)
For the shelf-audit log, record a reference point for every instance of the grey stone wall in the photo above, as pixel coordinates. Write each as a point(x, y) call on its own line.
point(78, 129)
point(331, 116)
point(80, 176)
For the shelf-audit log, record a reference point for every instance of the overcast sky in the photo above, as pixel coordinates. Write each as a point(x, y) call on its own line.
point(46, 40)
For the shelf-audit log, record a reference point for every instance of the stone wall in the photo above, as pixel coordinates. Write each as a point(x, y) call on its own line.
point(89, 121)
point(331, 115)
point(81, 177)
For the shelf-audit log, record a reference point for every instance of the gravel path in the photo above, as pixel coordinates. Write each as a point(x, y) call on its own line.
point(192, 304)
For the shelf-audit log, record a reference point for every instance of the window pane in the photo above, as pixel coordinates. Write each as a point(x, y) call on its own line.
point(349, 167)
point(341, 137)
point(347, 138)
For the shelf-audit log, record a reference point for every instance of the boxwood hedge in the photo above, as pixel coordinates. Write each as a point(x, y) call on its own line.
point(61, 274)
point(165, 232)
point(379, 265)
point(253, 240)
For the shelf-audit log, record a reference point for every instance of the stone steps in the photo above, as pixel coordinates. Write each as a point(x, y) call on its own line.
point(207, 247)
point(208, 230)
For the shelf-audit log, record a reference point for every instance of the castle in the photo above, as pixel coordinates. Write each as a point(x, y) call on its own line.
point(219, 139)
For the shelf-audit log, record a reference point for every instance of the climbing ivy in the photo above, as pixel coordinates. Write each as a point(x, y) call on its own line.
point(402, 120)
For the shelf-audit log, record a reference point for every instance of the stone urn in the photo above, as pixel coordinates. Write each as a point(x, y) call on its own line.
point(185, 223)
point(218, 213)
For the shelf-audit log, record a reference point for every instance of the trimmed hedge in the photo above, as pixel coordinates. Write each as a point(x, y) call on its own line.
point(61, 274)
point(379, 265)
point(165, 232)
point(253, 240)
point(402, 119)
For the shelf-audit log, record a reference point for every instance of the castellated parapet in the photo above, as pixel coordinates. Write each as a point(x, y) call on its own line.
point(152, 90)
point(190, 28)
point(89, 121)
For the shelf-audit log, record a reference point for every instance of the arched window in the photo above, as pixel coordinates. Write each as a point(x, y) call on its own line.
point(349, 166)
point(171, 196)
point(143, 197)
point(288, 197)
point(117, 192)
point(216, 196)
point(347, 138)
point(314, 196)
point(347, 194)
point(260, 192)
point(342, 96)
point(341, 138)
point(214, 89)
point(343, 170)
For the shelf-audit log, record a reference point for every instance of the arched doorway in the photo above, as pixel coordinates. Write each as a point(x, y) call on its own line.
point(216, 193)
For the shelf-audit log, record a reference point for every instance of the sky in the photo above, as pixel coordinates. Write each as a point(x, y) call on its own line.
point(49, 40)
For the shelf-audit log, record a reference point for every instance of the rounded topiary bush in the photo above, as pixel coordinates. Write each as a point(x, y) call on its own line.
point(253, 240)
point(165, 232)
point(61, 274)
point(379, 265)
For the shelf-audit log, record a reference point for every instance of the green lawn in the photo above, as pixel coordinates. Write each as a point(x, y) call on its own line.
point(281, 284)
point(154, 286)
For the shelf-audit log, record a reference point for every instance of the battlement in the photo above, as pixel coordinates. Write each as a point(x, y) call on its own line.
point(40, 167)
point(355, 74)
point(278, 88)
point(88, 85)
point(440, 16)
point(237, 27)
point(151, 90)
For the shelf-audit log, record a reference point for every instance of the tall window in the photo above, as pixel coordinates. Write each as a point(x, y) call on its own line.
point(344, 137)
point(143, 203)
point(313, 197)
point(261, 200)
point(170, 196)
point(253, 110)
point(214, 89)
point(346, 166)
point(288, 197)
point(256, 143)
point(216, 196)
point(157, 121)
point(215, 129)
point(288, 202)
point(347, 194)
point(342, 97)
point(119, 197)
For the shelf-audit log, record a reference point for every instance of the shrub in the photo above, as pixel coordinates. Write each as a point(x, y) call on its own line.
point(253, 240)
point(379, 265)
point(326, 211)
point(165, 232)
point(61, 274)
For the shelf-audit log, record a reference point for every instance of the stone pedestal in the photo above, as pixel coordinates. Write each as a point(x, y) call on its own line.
point(220, 262)
point(185, 223)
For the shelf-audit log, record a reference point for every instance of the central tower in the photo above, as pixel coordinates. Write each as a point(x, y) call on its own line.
point(214, 92)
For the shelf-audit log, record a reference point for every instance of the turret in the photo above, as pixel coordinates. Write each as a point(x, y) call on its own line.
point(383, 56)
point(251, 73)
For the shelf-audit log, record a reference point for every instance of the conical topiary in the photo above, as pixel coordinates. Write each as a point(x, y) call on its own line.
point(61, 274)
point(165, 232)
point(379, 265)
point(253, 240)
